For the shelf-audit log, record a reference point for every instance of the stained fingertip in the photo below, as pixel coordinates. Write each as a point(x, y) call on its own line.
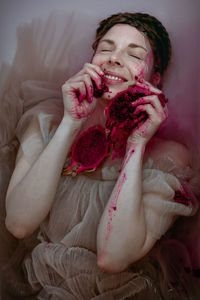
point(78, 95)
point(163, 99)
point(90, 91)
point(90, 96)
point(81, 97)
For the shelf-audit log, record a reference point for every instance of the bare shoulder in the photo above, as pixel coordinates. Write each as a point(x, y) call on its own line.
point(158, 148)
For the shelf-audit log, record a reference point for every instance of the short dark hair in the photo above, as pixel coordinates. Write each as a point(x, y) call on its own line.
point(154, 30)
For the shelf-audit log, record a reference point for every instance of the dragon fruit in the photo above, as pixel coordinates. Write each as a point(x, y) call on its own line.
point(88, 151)
point(95, 144)
point(121, 117)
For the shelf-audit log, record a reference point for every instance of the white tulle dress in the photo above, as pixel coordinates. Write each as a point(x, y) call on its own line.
point(62, 264)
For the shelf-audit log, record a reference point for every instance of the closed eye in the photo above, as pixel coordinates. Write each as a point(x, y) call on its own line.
point(135, 56)
point(105, 50)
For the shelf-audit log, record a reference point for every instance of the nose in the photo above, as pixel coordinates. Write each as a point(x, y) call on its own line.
point(115, 59)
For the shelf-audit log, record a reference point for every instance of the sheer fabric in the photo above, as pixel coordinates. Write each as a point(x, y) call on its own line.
point(64, 262)
point(61, 262)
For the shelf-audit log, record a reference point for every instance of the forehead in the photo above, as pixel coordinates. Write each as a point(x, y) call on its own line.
point(127, 34)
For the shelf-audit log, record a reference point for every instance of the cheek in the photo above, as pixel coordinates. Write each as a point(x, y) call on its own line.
point(150, 59)
point(143, 69)
point(149, 62)
point(97, 60)
point(138, 70)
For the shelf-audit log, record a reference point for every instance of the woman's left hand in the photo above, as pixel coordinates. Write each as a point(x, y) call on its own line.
point(156, 111)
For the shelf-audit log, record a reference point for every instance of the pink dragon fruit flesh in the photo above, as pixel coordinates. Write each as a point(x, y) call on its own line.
point(88, 151)
point(121, 117)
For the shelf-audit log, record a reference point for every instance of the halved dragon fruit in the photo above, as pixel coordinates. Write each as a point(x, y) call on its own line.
point(88, 151)
point(121, 117)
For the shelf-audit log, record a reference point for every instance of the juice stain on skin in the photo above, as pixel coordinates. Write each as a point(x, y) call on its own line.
point(111, 213)
point(127, 160)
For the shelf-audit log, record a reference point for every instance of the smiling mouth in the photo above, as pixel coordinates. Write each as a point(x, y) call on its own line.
point(113, 79)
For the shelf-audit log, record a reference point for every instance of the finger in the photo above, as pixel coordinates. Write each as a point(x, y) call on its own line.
point(82, 87)
point(153, 100)
point(156, 117)
point(88, 88)
point(86, 108)
point(95, 68)
point(95, 82)
point(95, 73)
point(79, 91)
point(145, 84)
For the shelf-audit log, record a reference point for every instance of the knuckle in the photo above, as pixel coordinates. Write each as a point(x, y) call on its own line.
point(86, 66)
point(65, 87)
point(86, 77)
point(81, 85)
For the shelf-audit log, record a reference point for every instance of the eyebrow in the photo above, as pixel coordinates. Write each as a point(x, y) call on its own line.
point(132, 45)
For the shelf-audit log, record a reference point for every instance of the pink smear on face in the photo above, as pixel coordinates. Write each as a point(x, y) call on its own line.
point(141, 74)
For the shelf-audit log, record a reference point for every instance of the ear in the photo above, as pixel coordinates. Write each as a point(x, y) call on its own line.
point(156, 79)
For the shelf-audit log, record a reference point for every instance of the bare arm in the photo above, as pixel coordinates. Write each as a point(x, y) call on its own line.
point(123, 236)
point(32, 188)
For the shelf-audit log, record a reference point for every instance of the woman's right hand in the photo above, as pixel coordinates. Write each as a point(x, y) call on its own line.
point(78, 98)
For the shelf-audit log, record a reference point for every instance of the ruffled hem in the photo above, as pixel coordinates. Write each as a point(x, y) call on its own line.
point(72, 273)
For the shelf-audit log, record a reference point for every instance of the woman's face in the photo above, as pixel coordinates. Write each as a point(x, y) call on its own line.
point(123, 53)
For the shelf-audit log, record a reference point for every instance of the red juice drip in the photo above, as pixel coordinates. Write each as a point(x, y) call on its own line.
point(113, 206)
point(127, 160)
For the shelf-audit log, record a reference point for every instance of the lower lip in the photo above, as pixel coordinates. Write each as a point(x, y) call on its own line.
point(112, 81)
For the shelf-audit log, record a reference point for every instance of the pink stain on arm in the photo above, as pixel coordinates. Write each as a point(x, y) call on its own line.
point(111, 212)
point(126, 160)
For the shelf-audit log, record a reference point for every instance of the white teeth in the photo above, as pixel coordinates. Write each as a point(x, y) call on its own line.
point(112, 77)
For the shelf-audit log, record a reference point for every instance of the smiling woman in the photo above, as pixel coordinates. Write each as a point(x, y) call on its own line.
point(123, 54)
point(96, 197)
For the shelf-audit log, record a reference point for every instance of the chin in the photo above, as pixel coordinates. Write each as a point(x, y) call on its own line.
point(113, 91)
